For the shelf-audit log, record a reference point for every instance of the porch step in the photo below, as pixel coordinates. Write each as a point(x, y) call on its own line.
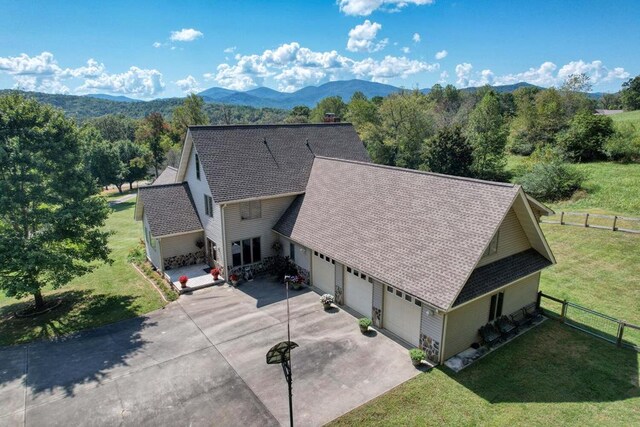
point(195, 288)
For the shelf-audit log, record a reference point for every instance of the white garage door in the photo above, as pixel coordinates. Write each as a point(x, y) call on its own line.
point(358, 292)
point(323, 273)
point(401, 316)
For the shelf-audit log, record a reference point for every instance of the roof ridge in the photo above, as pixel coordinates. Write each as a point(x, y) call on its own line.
point(163, 185)
point(419, 172)
point(268, 125)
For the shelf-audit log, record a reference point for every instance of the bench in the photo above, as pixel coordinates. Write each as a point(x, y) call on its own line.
point(505, 325)
point(525, 315)
point(489, 334)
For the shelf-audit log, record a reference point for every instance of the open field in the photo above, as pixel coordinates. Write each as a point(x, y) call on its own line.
point(628, 116)
point(110, 293)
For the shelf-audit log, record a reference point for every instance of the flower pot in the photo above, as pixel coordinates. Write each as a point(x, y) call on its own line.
point(216, 276)
point(364, 329)
point(296, 286)
point(416, 362)
point(183, 285)
point(327, 306)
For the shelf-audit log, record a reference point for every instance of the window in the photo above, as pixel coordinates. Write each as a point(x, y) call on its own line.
point(246, 251)
point(495, 308)
point(407, 297)
point(348, 269)
point(356, 273)
point(321, 256)
point(197, 167)
point(292, 251)
point(208, 205)
point(418, 303)
point(251, 210)
point(398, 293)
point(315, 253)
point(493, 246)
point(389, 289)
point(363, 276)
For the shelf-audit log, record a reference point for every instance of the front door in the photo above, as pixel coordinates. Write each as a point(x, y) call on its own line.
point(212, 254)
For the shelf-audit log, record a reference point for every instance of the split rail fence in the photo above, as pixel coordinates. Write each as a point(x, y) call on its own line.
point(608, 328)
point(590, 220)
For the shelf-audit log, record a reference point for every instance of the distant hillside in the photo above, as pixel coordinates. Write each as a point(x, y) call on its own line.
point(84, 107)
point(504, 88)
point(112, 97)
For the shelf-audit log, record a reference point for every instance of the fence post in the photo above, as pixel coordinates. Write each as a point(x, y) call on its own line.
point(562, 218)
point(586, 220)
point(538, 299)
point(620, 333)
point(615, 220)
point(563, 312)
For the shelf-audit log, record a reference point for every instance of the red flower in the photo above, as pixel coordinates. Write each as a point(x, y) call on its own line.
point(215, 271)
point(233, 277)
point(183, 279)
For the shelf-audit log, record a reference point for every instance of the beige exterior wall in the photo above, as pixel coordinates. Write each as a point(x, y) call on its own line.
point(463, 323)
point(238, 229)
point(511, 239)
point(180, 245)
point(152, 246)
point(302, 257)
point(199, 187)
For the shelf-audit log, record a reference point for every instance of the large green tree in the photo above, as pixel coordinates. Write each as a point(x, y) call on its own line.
point(104, 164)
point(135, 160)
point(584, 140)
point(331, 104)
point(50, 217)
point(488, 137)
point(152, 133)
point(630, 94)
point(115, 127)
point(191, 112)
point(448, 152)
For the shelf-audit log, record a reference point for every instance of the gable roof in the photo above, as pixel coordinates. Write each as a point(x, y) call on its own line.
point(169, 209)
point(252, 161)
point(168, 176)
point(422, 232)
point(500, 273)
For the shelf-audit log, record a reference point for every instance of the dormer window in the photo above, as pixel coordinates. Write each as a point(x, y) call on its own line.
point(197, 167)
point(251, 210)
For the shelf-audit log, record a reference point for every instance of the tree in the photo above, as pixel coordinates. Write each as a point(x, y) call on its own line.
point(104, 164)
point(360, 111)
point(190, 113)
point(298, 114)
point(610, 101)
point(331, 104)
point(150, 133)
point(574, 92)
point(585, 138)
point(630, 94)
point(449, 152)
point(50, 218)
point(114, 127)
point(135, 160)
point(488, 137)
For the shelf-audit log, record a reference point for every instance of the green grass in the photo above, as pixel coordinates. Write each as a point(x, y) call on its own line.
point(611, 188)
point(628, 116)
point(108, 294)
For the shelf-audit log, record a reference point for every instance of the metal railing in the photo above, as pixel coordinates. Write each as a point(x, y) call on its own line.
point(608, 328)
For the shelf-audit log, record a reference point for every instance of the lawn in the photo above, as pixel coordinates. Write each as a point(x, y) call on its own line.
point(108, 294)
point(628, 116)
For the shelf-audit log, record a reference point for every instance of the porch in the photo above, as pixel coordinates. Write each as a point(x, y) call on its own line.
point(198, 274)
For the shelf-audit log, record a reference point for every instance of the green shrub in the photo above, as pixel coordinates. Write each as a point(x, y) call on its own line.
point(585, 138)
point(624, 144)
point(417, 355)
point(550, 181)
point(138, 254)
point(364, 322)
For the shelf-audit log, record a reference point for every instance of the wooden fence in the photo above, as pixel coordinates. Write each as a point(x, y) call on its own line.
point(590, 220)
point(608, 328)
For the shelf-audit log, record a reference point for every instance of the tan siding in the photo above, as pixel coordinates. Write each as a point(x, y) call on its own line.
point(463, 323)
point(153, 254)
point(238, 229)
point(511, 240)
point(530, 227)
point(180, 245)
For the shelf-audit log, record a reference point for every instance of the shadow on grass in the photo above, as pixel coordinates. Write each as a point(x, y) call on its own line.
point(117, 207)
point(553, 363)
point(70, 358)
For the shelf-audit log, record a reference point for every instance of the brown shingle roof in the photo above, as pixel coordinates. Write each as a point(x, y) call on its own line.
point(169, 209)
point(421, 232)
point(168, 176)
point(500, 273)
point(242, 162)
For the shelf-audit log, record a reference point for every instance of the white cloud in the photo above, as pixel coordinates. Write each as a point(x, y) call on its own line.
point(293, 66)
point(43, 64)
point(157, 45)
point(546, 75)
point(185, 35)
point(362, 37)
point(135, 81)
point(416, 38)
point(366, 7)
point(230, 49)
point(443, 77)
point(441, 55)
point(406, 50)
point(40, 84)
point(189, 84)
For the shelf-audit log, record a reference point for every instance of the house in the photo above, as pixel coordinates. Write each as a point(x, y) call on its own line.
point(428, 257)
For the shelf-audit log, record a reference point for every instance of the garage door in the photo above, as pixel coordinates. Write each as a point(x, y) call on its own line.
point(323, 273)
point(358, 292)
point(401, 315)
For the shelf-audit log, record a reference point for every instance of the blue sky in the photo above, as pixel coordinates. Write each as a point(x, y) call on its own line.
point(145, 49)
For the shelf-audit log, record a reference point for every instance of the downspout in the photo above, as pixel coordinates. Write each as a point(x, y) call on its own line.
point(444, 336)
point(161, 257)
point(224, 240)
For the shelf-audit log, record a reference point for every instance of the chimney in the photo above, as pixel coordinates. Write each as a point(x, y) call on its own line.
point(331, 118)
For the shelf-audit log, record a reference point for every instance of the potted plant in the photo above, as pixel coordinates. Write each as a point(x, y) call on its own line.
point(326, 300)
point(234, 279)
point(417, 356)
point(215, 272)
point(297, 282)
point(364, 324)
point(183, 281)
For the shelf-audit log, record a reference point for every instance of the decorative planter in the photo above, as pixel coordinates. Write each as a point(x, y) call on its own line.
point(327, 306)
point(183, 281)
point(416, 362)
point(215, 273)
point(364, 329)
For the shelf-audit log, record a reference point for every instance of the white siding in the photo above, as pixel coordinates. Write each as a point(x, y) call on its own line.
point(302, 254)
point(153, 253)
point(199, 187)
point(511, 239)
point(238, 229)
point(180, 245)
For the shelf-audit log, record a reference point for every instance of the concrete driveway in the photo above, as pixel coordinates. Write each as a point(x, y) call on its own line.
point(201, 361)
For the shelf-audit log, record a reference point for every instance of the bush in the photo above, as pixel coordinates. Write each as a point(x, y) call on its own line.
point(417, 355)
point(624, 144)
point(364, 322)
point(585, 138)
point(550, 181)
point(137, 255)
